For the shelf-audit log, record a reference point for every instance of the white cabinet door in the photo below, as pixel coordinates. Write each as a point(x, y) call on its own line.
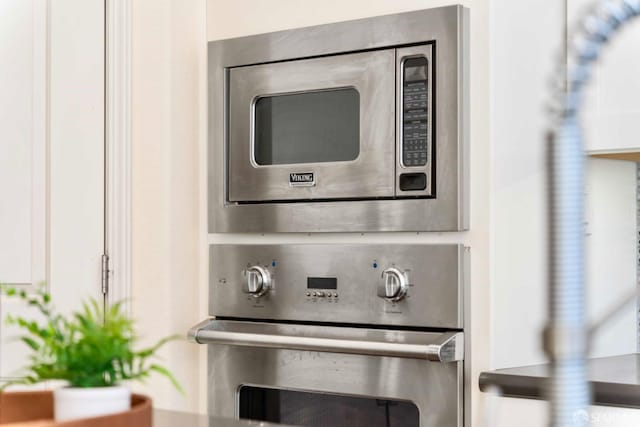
point(23, 124)
point(612, 105)
point(69, 200)
point(22, 140)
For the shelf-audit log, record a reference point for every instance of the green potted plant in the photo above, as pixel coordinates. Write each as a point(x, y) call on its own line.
point(92, 350)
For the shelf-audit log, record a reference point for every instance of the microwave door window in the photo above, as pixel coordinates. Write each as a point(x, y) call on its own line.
point(312, 409)
point(307, 127)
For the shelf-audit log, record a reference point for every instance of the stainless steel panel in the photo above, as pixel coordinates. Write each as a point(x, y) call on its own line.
point(434, 296)
point(448, 211)
point(445, 347)
point(435, 388)
point(370, 175)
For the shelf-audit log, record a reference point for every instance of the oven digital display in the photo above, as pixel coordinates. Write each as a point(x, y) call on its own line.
point(322, 283)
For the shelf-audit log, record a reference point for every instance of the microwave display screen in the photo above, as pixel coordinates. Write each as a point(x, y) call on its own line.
point(308, 127)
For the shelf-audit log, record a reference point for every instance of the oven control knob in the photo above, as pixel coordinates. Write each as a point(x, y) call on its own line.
point(393, 286)
point(257, 281)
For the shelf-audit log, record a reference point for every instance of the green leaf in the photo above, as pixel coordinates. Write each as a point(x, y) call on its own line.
point(152, 350)
point(31, 343)
point(165, 372)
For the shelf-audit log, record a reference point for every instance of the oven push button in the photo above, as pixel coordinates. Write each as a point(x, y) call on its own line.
point(257, 281)
point(394, 284)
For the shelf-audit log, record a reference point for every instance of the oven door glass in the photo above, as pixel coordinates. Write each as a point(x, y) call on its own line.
point(312, 129)
point(305, 408)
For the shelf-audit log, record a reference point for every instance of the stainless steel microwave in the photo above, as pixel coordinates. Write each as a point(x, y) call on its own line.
point(354, 126)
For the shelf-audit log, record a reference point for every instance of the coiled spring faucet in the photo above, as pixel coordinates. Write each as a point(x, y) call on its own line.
point(565, 335)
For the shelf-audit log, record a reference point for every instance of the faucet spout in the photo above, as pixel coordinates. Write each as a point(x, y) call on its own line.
point(565, 336)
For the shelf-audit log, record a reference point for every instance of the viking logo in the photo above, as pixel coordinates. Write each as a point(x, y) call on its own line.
point(306, 179)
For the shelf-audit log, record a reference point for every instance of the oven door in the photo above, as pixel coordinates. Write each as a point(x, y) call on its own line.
point(333, 376)
point(312, 129)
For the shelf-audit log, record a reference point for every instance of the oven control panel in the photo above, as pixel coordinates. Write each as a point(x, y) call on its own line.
point(412, 285)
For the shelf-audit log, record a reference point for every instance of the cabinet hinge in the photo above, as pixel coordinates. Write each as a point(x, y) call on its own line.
point(105, 274)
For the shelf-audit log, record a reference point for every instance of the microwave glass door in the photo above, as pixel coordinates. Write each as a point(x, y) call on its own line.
point(313, 129)
point(310, 127)
point(309, 409)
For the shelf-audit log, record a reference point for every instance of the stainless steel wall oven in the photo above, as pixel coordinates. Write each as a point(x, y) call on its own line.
point(365, 120)
point(337, 335)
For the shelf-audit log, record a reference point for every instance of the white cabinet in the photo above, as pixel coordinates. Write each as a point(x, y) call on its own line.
point(12, 353)
point(22, 140)
point(611, 116)
point(52, 188)
point(611, 251)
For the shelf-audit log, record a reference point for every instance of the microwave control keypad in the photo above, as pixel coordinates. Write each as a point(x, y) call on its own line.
point(415, 129)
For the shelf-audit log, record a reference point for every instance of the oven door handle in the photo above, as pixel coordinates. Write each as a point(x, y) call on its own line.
point(439, 347)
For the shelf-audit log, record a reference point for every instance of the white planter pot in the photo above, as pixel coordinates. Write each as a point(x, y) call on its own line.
point(72, 403)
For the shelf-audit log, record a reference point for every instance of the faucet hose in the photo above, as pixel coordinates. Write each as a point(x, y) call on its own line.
point(565, 336)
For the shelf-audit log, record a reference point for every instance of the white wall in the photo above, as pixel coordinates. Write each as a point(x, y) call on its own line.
point(521, 64)
point(168, 90)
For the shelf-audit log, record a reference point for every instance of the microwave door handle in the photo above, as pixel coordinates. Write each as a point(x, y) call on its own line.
point(448, 347)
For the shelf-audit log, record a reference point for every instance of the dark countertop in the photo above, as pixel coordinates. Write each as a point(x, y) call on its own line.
point(164, 418)
point(615, 381)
